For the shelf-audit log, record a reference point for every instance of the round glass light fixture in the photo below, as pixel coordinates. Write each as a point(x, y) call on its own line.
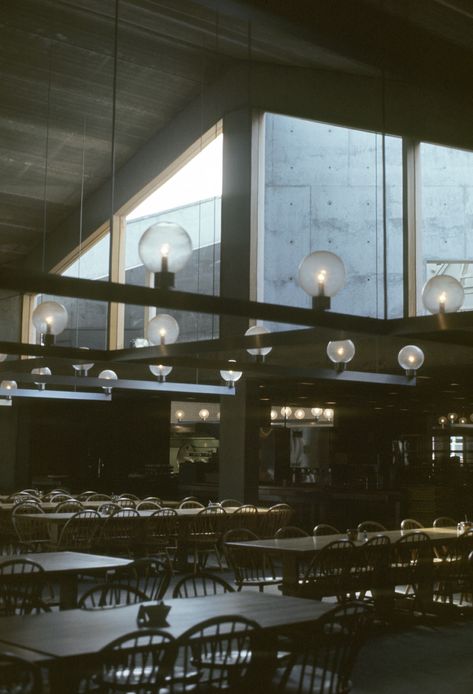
point(286, 411)
point(163, 329)
point(443, 421)
point(452, 417)
point(329, 414)
point(463, 420)
point(49, 318)
point(316, 411)
point(321, 275)
point(108, 375)
point(84, 367)
point(410, 359)
point(204, 414)
point(340, 352)
point(258, 351)
point(164, 249)
point(274, 414)
point(299, 413)
point(443, 294)
point(229, 376)
point(9, 385)
point(41, 371)
point(179, 415)
point(160, 371)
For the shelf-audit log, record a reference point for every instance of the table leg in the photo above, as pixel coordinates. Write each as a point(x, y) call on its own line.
point(68, 585)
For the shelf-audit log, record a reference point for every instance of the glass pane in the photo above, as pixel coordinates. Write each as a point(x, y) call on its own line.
point(192, 199)
point(87, 323)
point(10, 316)
point(446, 246)
point(324, 191)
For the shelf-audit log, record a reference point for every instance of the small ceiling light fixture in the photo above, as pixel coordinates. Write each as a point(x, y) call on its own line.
point(42, 371)
point(83, 367)
point(160, 371)
point(321, 275)
point(108, 375)
point(179, 415)
point(49, 318)
point(443, 421)
point(463, 420)
point(299, 413)
point(204, 414)
point(329, 414)
point(410, 359)
point(286, 411)
point(316, 412)
point(8, 386)
point(274, 414)
point(163, 329)
point(340, 352)
point(229, 376)
point(443, 294)
point(259, 352)
point(164, 249)
point(452, 417)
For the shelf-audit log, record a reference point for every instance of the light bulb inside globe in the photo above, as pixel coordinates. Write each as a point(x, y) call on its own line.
point(316, 412)
point(41, 371)
point(340, 352)
point(164, 249)
point(180, 415)
point(204, 414)
point(108, 375)
point(328, 414)
point(443, 294)
point(163, 329)
point(274, 414)
point(463, 420)
point(230, 376)
point(452, 417)
point(286, 412)
point(410, 358)
point(321, 274)
point(299, 413)
point(160, 371)
point(50, 319)
point(443, 421)
point(258, 352)
point(8, 386)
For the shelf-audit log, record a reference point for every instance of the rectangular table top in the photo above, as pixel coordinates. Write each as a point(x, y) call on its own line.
point(74, 633)
point(181, 513)
point(312, 544)
point(70, 562)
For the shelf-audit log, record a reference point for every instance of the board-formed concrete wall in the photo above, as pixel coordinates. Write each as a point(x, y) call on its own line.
point(323, 191)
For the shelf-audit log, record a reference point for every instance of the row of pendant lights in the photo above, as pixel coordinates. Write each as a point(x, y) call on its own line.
point(300, 413)
point(453, 418)
point(165, 248)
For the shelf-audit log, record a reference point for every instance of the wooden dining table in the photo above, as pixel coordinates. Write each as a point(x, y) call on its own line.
point(66, 567)
point(293, 551)
point(62, 640)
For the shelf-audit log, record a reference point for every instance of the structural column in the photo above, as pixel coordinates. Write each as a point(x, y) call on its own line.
point(239, 415)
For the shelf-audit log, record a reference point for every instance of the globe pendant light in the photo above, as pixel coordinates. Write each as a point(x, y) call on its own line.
point(274, 414)
point(49, 318)
point(299, 413)
point(286, 411)
point(163, 329)
point(108, 375)
point(83, 367)
point(229, 376)
point(340, 352)
point(43, 371)
point(328, 414)
point(316, 412)
point(8, 385)
point(160, 371)
point(410, 359)
point(321, 275)
point(164, 249)
point(259, 352)
point(443, 294)
point(204, 414)
point(180, 415)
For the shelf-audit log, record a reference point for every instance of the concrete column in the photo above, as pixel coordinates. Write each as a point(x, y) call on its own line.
point(240, 420)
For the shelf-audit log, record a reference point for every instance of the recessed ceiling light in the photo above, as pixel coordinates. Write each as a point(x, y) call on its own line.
point(330, 402)
point(454, 384)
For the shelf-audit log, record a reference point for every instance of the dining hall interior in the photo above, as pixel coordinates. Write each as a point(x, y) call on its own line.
point(236, 289)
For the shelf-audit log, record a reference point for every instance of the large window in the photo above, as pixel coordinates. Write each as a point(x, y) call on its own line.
point(87, 324)
point(444, 239)
point(324, 191)
point(190, 198)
